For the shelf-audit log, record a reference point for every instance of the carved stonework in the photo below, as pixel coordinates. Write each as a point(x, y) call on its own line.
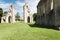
point(49, 12)
point(27, 14)
point(9, 17)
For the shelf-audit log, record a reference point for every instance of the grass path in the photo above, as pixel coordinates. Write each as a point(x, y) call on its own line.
point(22, 31)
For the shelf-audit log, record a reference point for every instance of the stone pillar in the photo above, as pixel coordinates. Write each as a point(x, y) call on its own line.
point(7, 19)
point(12, 9)
point(27, 13)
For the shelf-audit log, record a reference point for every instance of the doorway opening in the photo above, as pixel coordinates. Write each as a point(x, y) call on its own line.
point(9, 19)
point(28, 19)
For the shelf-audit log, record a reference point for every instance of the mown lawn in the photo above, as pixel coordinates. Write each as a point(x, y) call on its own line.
point(22, 31)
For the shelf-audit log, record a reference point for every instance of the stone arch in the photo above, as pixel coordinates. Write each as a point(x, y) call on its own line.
point(4, 20)
point(9, 19)
point(28, 19)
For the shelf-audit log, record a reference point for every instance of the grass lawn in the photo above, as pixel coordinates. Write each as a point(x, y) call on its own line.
point(22, 31)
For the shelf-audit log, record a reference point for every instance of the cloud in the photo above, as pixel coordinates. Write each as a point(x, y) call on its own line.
point(19, 3)
point(19, 7)
point(33, 5)
point(4, 6)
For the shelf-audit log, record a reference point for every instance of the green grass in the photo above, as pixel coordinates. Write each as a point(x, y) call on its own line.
point(22, 31)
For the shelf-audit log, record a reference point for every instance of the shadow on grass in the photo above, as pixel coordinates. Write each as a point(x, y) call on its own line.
point(43, 26)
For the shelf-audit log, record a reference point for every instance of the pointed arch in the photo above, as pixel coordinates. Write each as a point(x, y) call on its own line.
point(9, 19)
point(28, 19)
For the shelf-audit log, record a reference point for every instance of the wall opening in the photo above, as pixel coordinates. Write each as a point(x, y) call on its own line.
point(28, 19)
point(9, 19)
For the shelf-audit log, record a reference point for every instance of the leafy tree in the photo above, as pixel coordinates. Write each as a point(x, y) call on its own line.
point(1, 13)
point(17, 17)
point(5, 13)
point(34, 16)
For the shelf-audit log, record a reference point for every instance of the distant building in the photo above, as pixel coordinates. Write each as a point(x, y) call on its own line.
point(48, 13)
point(9, 17)
point(27, 16)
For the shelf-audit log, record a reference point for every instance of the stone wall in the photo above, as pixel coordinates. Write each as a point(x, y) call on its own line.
point(27, 16)
point(10, 16)
point(57, 12)
point(45, 12)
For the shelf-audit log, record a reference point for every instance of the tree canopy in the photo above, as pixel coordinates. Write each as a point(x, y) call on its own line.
point(1, 12)
point(17, 16)
point(34, 16)
point(5, 13)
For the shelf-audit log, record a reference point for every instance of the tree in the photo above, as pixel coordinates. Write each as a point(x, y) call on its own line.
point(1, 13)
point(17, 17)
point(34, 16)
point(5, 13)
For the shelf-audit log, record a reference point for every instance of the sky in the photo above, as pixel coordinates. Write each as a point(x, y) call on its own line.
point(18, 4)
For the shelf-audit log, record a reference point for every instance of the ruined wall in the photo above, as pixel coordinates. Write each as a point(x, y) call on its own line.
point(27, 16)
point(45, 14)
point(57, 12)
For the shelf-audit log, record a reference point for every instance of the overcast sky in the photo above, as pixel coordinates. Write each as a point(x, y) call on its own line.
point(19, 5)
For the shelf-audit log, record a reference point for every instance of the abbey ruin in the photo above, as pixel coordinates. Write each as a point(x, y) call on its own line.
point(48, 13)
point(27, 16)
point(9, 16)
